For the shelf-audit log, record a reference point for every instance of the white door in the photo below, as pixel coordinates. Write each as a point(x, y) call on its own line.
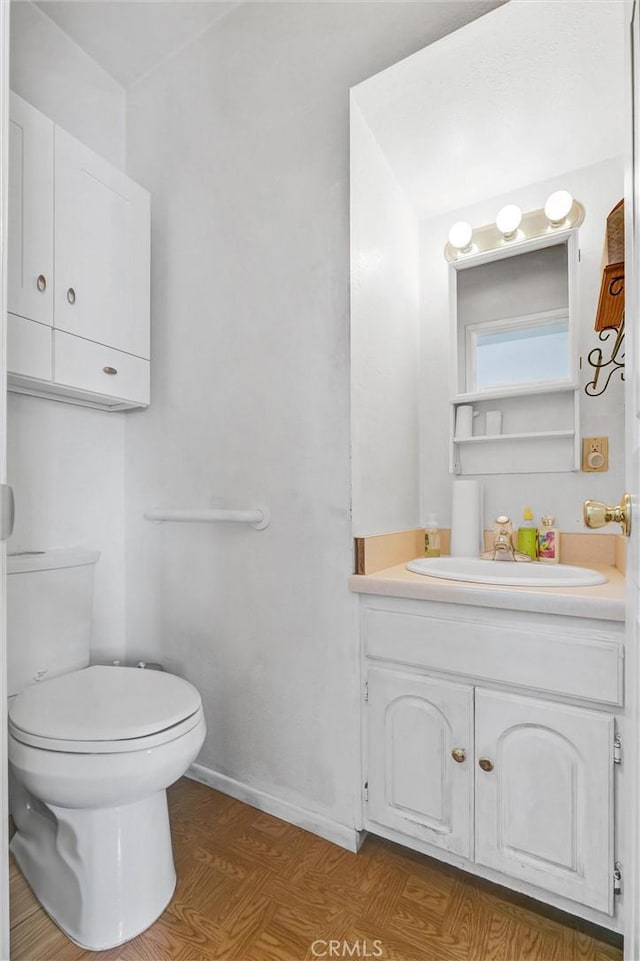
point(420, 758)
point(4, 158)
point(30, 246)
point(101, 250)
point(544, 795)
point(630, 853)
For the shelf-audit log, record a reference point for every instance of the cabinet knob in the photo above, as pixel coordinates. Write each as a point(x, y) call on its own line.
point(109, 370)
point(41, 283)
point(486, 764)
point(71, 295)
point(459, 754)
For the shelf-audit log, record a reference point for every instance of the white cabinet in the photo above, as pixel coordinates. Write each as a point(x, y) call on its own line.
point(83, 365)
point(78, 263)
point(102, 250)
point(420, 757)
point(30, 215)
point(489, 742)
point(544, 795)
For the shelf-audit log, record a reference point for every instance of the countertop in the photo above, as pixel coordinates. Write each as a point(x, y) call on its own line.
point(603, 602)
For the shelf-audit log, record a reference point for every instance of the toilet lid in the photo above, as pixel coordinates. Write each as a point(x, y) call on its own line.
point(104, 704)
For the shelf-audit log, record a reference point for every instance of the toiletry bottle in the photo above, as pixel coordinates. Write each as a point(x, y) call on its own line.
point(432, 537)
point(528, 535)
point(548, 542)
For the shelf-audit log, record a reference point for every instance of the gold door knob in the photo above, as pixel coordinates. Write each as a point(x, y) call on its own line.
point(459, 754)
point(597, 514)
point(486, 764)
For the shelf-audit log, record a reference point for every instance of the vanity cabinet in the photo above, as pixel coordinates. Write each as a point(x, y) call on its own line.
point(78, 270)
point(421, 737)
point(489, 741)
point(544, 795)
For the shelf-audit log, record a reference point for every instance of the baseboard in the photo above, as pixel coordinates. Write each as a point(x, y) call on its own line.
point(340, 834)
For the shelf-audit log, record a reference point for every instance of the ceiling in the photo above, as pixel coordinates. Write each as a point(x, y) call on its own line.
point(532, 89)
point(128, 39)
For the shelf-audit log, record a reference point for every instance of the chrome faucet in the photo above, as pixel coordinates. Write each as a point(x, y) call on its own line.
point(503, 549)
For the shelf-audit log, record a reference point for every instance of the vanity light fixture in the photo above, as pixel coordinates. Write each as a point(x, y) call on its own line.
point(558, 207)
point(508, 221)
point(460, 236)
point(513, 228)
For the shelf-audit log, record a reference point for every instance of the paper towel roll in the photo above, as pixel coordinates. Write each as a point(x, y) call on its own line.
point(466, 519)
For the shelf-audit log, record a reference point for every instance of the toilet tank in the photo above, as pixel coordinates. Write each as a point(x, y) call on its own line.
point(49, 607)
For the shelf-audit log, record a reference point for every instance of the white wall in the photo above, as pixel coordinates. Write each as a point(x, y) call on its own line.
point(528, 105)
point(385, 295)
point(66, 463)
point(599, 188)
point(51, 71)
point(243, 140)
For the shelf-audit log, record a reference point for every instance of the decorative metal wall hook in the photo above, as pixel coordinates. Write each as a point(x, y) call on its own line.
point(607, 367)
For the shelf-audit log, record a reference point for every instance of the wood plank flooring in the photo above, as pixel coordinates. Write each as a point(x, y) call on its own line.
point(254, 888)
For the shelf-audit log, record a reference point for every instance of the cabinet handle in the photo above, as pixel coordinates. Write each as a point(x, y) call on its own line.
point(486, 764)
point(110, 370)
point(459, 754)
point(71, 295)
point(41, 283)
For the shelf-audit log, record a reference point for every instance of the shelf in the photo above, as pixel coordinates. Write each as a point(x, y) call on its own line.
point(513, 392)
point(535, 435)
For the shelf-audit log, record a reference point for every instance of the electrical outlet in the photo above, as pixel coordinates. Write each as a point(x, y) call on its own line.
point(595, 454)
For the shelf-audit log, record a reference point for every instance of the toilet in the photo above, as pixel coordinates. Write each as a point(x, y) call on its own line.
point(92, 750)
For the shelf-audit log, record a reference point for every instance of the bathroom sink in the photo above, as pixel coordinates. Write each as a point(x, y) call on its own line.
point(508, 573)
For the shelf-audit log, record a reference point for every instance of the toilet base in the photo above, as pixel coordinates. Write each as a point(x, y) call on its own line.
point(103, 875)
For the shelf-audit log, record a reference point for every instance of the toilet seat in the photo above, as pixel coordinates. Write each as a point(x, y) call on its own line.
point(105, 710)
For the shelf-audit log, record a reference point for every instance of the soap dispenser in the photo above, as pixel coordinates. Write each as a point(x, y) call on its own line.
point(432, 537)
point(528, 535)
point(549, 541)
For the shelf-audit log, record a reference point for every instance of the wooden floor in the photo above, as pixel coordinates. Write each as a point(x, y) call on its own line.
point(254, 888)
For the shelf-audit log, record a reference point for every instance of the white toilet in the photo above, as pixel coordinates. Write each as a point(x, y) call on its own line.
point(92, 751)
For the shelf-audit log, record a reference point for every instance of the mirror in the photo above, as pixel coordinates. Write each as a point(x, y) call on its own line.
point(512, 321)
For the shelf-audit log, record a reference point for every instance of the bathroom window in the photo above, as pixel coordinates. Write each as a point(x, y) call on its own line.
point(518, 350)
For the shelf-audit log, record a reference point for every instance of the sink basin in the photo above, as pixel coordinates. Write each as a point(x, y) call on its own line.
point(508, 573)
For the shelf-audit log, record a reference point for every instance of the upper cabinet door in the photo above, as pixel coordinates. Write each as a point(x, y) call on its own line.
point(30, 218)
point(544, 795)
point(102, 250)
point(420, 758)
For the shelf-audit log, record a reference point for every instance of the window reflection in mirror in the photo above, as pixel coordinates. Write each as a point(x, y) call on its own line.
point(518, 351)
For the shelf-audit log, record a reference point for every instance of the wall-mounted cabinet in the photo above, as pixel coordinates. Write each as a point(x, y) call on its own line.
point(514, 359)
point(78, 270)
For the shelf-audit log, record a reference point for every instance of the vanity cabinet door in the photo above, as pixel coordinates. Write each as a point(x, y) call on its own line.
point(544, 795)
point(420, 758)
point(30, 215)
point(102, 250)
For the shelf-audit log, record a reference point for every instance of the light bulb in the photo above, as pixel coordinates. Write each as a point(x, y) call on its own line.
point(558, 207)
point(508, 221)
point(460, 236)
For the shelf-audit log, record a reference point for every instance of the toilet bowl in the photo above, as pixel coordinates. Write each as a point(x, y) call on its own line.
point(91, 754)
